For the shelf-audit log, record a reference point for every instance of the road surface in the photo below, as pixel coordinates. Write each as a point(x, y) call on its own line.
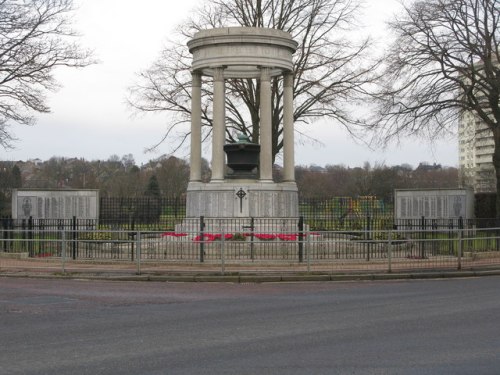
point(104, 327)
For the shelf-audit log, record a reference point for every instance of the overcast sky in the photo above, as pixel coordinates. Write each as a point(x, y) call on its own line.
point(90, 120)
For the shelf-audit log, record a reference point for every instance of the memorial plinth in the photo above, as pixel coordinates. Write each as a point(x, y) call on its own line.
point(242, 198)
point(243, 187)
point(55, 204)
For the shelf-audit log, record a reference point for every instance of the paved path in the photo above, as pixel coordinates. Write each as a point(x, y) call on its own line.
point(103, 327)
point(54, 265)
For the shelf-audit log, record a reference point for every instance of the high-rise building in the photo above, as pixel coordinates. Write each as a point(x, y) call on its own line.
point(476, 146)
point(476, 142)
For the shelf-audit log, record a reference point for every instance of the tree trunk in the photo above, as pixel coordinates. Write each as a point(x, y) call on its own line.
point(496, 165)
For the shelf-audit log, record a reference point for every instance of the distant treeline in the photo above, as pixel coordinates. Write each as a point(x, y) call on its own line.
point(168, 176)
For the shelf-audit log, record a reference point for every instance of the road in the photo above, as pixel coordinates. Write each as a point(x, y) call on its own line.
point(104, 327)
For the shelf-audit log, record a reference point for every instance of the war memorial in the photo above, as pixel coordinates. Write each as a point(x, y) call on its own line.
point(242, 187)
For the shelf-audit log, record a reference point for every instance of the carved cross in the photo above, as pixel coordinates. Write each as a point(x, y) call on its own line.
point(241, 194)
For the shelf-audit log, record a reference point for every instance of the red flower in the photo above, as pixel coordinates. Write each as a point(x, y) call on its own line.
point(209, 237)
point(173, 234)
point(265, 236)
point(204, 237)
point(287, 237)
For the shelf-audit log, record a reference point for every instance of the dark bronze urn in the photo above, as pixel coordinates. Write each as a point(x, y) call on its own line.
point(242, 158)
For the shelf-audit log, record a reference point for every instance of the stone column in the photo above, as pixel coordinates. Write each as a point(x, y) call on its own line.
point(266, 141)
point(288, 135)
point(219, 125)
point(195, 160)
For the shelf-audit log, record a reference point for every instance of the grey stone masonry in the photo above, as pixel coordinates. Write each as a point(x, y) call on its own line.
point(242, 53)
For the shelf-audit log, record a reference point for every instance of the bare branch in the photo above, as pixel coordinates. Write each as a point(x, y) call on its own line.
point(34, 39)
point(443, 65)
point(330, 70)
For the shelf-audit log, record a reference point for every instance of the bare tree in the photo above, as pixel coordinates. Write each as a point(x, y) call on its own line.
point(34, 39)
point(444, 63)
point(173, 176)
point(329, 68)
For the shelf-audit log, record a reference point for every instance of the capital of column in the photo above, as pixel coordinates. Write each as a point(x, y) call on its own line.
point(265, 73)
point(219, 73)
point(288, 79)
point(196, 78)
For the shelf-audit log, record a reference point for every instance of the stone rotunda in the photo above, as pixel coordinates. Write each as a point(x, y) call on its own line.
point(242, 53)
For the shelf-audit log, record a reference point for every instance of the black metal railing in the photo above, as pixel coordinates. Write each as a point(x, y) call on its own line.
point(249, 238)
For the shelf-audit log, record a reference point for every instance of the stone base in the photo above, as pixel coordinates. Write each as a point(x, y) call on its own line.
point(242, 198)
point(191, 226)
point(14, 255)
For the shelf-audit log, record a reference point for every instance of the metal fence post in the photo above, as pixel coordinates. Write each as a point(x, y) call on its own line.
point(252, 249)
point(423, 237)
point(63, 250)
point(308, 251)
point(368, 237)
point(4, 234)
point(23, 235)
point(31, 248)
point(132, 228)
point(301, 238)
point(73, 225)
point(138, 252)
point(389, 252)
point(222, 250)
point(459, 250)
point(497, 242)
point(202, 239)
